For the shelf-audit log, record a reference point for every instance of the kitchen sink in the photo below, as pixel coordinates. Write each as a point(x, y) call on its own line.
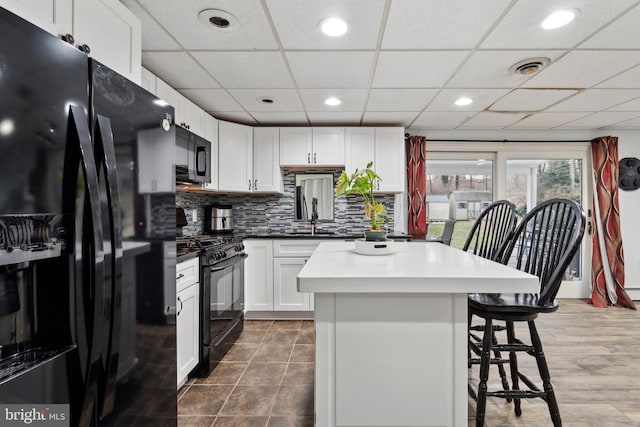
point(308, 233)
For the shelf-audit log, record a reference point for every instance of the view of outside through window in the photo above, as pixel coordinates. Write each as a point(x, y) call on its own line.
point(530, 182)
point(459, 189)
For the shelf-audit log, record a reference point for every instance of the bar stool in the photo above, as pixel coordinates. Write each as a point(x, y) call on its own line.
point(543, 244)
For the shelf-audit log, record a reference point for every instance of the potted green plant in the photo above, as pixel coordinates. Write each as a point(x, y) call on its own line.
point(362, 182)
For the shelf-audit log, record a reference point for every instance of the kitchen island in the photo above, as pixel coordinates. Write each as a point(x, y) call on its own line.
point(391, 331)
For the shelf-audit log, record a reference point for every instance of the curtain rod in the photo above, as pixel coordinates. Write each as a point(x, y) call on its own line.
point(406, 135)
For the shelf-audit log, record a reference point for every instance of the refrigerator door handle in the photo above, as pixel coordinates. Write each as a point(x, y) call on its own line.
point(81, 141)
point(106, 159)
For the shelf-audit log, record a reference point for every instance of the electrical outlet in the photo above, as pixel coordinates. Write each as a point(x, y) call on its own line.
point(194, 215)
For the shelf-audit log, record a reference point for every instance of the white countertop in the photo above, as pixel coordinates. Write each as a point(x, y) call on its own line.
point(414, 267)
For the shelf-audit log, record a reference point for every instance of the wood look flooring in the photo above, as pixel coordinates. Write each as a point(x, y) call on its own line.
point(266, 379)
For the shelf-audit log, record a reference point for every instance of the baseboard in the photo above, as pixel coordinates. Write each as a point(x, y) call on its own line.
point(279, 315)
point(633, 293)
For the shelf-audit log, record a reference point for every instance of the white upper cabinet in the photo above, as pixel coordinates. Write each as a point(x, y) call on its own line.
point(311, 146)
point(111, 32)
point(211, 135)
point(188, 114)
point(267, 176)
point(235, 148)
point(148, 81)
point(382, 146)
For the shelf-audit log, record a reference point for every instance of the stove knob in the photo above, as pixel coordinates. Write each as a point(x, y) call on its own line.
point(217, 255)
point(224, 254)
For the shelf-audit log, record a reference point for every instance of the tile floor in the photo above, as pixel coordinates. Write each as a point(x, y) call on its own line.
point(266, 379)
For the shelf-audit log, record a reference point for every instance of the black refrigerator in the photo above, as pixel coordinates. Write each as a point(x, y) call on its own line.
point(77, 144)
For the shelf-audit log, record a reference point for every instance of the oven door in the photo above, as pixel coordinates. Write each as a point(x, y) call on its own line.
point(226, 302)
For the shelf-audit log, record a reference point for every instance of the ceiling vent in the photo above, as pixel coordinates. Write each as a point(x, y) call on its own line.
point(529, 66)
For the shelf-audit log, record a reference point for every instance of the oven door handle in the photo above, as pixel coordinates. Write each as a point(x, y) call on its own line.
point(233, 261)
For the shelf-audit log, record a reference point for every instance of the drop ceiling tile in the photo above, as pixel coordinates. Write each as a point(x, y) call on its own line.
point(330, 118)
point(235, 116)
point(154, 37)
point(179, 70)
point(584, 68)
point(545, 120)
point(278, 118)
point(626, 79)
point(315, 70)
point(492, 120)
point(434, 24)
point(531, 99)
point(180, 18)
point(247, 70)
point(627, 124)
point(598, 120)
point(482, 98)
point(399, 99)
point(633, 105)
point(623, 33)
point(520, 28)
point(416, 69)
point(212, 99)
point(297, 23)
point(596, 100)
point(284, 99)
point(441, 120)
point(395, 118)
point(352, 99)
point(491, 69)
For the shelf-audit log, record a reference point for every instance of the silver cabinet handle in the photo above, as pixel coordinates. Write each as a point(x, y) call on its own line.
point(309, 158)
point(249, 184)
point(180, 276)
point(179, 311)
point(314, 158)
point(255, 185)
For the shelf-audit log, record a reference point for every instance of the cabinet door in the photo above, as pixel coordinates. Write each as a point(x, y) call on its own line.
point(187, 331)
point(267, 176)
point(211, 135)
point(148, 80)
point(258, 275)
point(359, 148)
point(328, 147)
point(285, 285)
point(390, 159)
point(54, 16)
point(235, 147)
point(296, 146)
point(193, 117)
point(113, 33)
point(172, 97)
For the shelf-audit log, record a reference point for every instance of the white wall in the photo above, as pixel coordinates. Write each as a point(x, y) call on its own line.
point(629, 146)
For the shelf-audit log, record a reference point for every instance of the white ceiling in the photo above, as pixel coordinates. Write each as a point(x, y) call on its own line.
point(402, 63)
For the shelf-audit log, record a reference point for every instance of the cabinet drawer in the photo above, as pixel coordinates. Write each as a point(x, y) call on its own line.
point(187, 273)
point(294, 248)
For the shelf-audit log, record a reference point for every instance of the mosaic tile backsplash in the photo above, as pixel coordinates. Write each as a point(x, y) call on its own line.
point(274, 213)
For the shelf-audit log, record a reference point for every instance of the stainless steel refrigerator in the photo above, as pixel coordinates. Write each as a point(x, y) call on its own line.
point(79, 145)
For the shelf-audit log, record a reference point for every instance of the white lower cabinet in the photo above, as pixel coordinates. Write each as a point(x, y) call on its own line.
point(187, 308)
point(258, 275)
point(285, 293)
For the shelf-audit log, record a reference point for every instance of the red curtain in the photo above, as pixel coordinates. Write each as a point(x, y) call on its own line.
point(416, 186)
point(607, 260)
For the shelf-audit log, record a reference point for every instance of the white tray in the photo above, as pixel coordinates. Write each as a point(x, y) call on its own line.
point(364, 247)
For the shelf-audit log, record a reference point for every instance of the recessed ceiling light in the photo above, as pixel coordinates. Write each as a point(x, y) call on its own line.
point(462, 101)
point(559, 19)
point(332, 101)
point(266, 100)
point(218, 19)
point(333, 27)
point(529, 66)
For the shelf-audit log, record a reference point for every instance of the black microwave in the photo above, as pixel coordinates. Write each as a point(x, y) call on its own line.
point(193, 157)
